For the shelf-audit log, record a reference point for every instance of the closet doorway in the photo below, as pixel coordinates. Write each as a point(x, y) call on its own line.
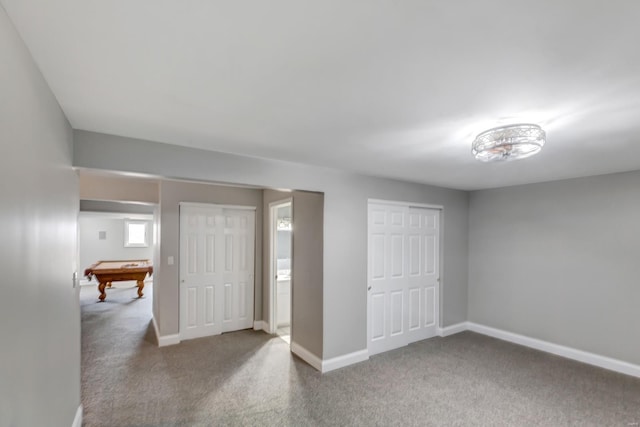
point(281, 229)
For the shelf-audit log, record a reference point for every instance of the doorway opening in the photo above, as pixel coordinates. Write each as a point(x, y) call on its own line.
point(281, 228)
point(113, 232)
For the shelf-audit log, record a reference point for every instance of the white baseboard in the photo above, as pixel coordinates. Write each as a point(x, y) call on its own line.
point(344, 360)
point(560, 350)
point(306, 355)
point(164, 340)
point(155, 328)
point(260, 325)
point(453, 329)
point(77, 420)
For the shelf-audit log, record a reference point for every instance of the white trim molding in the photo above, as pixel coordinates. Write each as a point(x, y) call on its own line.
point(260, 325)
point(605, 362)
point(306, 355)
point(123, 215)
point(452, 329)
point(560, 350)
point(77, 420)
point(165, 340)
point(273, 262)
point(344, 360)
point(409, 204)
point(206, 205)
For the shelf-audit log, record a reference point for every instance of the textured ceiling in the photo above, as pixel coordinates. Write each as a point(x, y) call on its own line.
point(396, 89)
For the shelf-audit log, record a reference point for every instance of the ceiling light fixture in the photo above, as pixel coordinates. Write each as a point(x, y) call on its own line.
point(508, 143)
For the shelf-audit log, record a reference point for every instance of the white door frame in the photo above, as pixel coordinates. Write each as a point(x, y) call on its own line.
point(217, 206)
point(273, 283)
point(440, 257)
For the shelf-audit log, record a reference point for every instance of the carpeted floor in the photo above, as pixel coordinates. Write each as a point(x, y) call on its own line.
point(251, 378)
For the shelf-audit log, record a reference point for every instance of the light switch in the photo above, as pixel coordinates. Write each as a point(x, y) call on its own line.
point(170, 260)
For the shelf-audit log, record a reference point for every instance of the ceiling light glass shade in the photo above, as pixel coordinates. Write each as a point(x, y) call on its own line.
point(508, 143)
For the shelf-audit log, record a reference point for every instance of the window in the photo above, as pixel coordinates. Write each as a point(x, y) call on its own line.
point(136, 234)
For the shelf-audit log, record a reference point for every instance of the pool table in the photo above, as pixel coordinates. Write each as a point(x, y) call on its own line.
point(106, 272)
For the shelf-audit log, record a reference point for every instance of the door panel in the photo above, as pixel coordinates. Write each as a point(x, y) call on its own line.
point(239, 255)
point(427, 232)
point(199, 302)
point(228, 302)
point(397, 255)
point(430, 304)
point(387, 314)
point(209, 305)
point(191, 300)
point(403, 275)
point(414, 309)
point(414, 256)
point(397, 312)
point(430, 255)
point(210, 254)
point(377, 259)
point(377, 315)
point(228, 254)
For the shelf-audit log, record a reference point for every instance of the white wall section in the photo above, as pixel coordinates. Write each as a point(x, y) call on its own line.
point(39, 310)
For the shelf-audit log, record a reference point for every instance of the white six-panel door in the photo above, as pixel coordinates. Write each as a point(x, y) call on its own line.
point(237, 273)
point(216, 269)
point(403, 276)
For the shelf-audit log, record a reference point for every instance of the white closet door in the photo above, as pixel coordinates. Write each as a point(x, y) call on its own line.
point(423, 273)
point(237, 275)
point(201, 300)
point(403, 276)
point(387, 282)
point(216, 270)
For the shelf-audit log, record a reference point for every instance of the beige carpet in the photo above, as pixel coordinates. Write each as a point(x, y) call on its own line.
point(250, 378)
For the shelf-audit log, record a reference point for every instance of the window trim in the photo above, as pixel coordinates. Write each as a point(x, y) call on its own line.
point(127, 223)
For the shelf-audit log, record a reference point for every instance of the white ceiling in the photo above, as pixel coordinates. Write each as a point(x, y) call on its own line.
point(388, 88)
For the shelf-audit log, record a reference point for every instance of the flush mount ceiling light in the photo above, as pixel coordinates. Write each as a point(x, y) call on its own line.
point(508, 143)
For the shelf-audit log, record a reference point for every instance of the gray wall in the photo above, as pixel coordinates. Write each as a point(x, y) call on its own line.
point(111, 188)
point(166, 284)
point(345, 220)
point(306, 279)
point(559, 261)
point(39, 310)
point(116, 207)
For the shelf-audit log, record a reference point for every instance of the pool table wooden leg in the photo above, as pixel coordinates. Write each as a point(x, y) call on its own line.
point(140, 287)
point(101, 287)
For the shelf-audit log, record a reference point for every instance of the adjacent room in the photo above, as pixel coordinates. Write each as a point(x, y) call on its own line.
point(113, 235)
point(327, 213)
